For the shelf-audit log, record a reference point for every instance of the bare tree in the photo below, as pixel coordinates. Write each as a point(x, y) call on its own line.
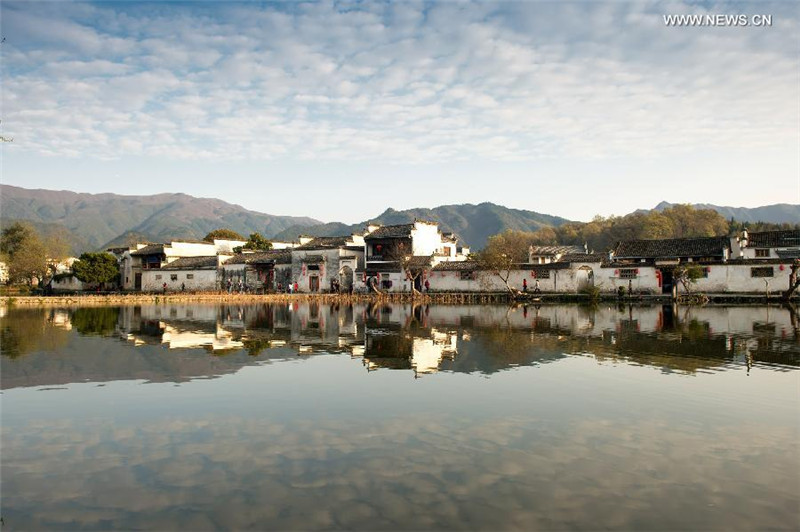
point(794, 279)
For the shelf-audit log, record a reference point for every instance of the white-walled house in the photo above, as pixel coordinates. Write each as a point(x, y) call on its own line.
point(765, 245)
point(319, 264)
point(258, 271)
point(394, 254)
point(143, 257)
point(548, 254)
point(186, 273)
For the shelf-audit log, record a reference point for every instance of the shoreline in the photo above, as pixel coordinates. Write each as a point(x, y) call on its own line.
point(451, 298)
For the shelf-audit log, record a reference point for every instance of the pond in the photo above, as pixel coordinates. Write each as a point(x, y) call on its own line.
point(367, 416)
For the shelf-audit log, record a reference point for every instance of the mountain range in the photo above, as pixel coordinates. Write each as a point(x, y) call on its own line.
point(778, 213)
point(98, 221)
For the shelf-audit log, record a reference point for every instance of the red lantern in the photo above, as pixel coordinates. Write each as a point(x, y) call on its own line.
point(636, 271)
point(708, 269)
point(782, 267)
point(616, 272)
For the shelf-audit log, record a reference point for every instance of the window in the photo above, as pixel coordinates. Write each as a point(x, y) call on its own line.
point(541, 274)
point(158, 277)
point(386, 284)
point(762, 253)
point(628, 273)
point(190, 276)
point(466, 276)
point(765, 271)
point(173, 277)
point(313, 267)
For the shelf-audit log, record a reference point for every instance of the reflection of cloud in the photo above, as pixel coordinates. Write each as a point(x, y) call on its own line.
point(408, 472)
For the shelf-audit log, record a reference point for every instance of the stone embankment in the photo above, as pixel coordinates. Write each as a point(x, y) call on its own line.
point(117, 299)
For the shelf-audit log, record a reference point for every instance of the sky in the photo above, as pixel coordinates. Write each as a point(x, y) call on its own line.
point(339, 110)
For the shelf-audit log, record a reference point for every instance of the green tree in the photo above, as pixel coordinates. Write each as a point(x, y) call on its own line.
point(258, 242)
point(96, 268)
point(25, 254)
point(222, 234)
point(687, 275)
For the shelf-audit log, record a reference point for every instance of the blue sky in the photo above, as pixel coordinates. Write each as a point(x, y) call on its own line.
point(340, 110)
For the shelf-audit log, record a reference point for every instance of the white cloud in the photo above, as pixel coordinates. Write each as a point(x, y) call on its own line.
point(402, 82)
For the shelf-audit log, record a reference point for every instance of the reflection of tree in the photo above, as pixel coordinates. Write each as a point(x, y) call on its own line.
point(391, 348)
point(95, 321)
point(23, 331)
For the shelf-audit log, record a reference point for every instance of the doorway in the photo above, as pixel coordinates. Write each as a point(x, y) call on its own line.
point(313, 284)
point(666, 281)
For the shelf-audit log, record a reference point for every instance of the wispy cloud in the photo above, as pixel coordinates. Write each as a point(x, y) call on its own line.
point(395, 82)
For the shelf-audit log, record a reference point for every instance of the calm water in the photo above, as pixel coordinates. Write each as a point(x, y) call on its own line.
point(393, 417)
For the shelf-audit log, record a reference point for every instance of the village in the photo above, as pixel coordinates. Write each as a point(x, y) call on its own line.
point(419, 258)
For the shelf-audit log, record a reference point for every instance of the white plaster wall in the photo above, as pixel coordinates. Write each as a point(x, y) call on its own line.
point(203, 280)
point(226, 246)
point(609, 280)
point(68, 284)
point(738, 278)
point(177, 250)
point(426, 239)
point(327, 270)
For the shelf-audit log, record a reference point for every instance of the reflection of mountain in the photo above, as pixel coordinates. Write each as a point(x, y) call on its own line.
point(60, 346)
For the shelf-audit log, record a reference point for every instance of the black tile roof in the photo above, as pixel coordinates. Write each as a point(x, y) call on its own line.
point(312, 259)
point(457, 266)
point(418, 262)
point(150, 249)
point(774, 239)
point(192, 263)
point(391, 231)
point(555, 250)
point(581, 257)
point(277, 256)
point(326, 242)
point(673, 247)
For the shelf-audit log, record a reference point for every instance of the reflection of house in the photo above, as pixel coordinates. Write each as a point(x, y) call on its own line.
point(323, 261)
point(768, 245)
point(395, 253)
point(259, 271)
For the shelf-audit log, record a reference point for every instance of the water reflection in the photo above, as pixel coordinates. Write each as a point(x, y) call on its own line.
point(308, 417)
point(416, 338)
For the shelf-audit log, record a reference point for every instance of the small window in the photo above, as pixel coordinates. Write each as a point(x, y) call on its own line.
point(765, 271)
point(173, 277)
point(158, 277)
point(386, 284)
point(541, 274)
point(762, 252)
point(466, 276)
point(190, 276)
point(627, 273)
point(313, 267)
